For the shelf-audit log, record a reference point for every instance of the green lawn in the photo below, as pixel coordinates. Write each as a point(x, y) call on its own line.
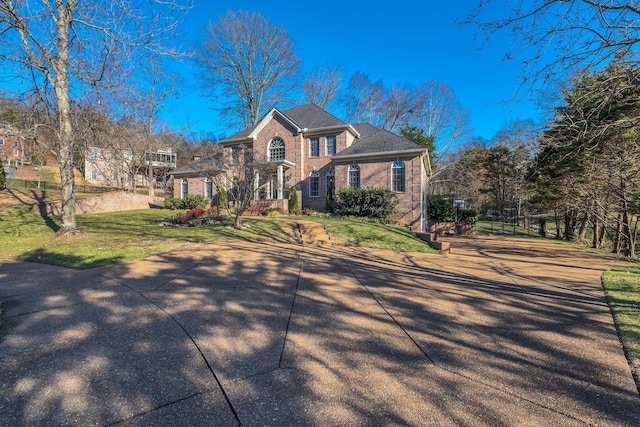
point(622, 287)
point(371, 235)
point(125, 236)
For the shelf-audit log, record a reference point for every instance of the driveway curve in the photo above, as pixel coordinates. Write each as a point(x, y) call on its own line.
point(502, 331)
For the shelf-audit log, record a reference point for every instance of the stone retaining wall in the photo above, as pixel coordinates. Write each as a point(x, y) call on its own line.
point(108, 202)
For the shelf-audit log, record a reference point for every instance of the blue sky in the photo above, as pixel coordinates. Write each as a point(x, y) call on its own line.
point(402, 42)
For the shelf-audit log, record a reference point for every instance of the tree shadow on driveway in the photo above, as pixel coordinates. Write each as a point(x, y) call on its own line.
point(256, 334)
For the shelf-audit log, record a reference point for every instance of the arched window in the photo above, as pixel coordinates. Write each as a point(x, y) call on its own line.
point(314, 184)
point(354, 176)
point(397, 177)
point(276, 150)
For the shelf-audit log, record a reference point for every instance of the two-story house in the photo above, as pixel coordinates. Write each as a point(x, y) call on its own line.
point(315, 152)
point(123, 169)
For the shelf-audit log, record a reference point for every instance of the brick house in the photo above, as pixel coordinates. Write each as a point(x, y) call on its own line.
point(13, 152)
point(313, 151)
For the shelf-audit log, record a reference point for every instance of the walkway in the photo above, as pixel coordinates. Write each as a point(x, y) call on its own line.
point(500, 332)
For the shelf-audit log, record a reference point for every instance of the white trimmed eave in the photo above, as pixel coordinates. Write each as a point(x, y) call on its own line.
point(267, 118)
point(381, 154)
point(328, 129)
point(427, 163)
point(236, 141)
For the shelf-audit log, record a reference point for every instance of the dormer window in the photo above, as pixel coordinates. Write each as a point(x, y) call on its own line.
point(276, 150)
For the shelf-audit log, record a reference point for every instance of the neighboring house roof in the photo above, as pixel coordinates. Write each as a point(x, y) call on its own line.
point(376, 142)
point(201, 167)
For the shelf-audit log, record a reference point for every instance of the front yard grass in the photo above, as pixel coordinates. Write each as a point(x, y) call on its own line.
point(622, 287)
point(125, 236)
point(370, 235)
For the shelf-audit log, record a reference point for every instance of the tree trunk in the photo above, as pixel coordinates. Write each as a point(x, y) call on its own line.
point(617, 240)
point(582, 231)
point(238, 221)
point(65, 133)
point(596, 232)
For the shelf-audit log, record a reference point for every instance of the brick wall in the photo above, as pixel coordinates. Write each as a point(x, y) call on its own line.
point(377, 173)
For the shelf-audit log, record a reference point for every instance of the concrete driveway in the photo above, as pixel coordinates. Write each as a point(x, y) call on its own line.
point(502, 331)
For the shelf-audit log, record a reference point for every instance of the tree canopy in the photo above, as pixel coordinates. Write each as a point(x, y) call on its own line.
point(248, 63)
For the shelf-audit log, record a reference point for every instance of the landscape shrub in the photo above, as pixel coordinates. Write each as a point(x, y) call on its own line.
point(468, 216)
point(441, 209)
point(195, 213)
point(373, 203)
point(294, 207)
point(223, 199)
point(3, 176)
point(272, 212)
point(190, 201)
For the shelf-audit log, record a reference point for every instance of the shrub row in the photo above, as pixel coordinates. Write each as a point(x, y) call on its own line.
point(441, 209)
point(190, 201)
point(373, 203)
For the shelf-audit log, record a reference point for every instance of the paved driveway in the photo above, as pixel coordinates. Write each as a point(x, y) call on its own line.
point(499, 332)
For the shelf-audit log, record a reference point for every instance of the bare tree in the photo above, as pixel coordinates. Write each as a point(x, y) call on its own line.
point(247, 62)
point(362, 99)
point(554, 37)
point(63, 42)
point(442, 117)
point(322, 86)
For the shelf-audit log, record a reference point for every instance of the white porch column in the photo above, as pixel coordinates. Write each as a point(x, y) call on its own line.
point(280, 182)
point(256, 184)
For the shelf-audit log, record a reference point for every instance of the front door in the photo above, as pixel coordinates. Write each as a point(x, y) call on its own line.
point(273, 186)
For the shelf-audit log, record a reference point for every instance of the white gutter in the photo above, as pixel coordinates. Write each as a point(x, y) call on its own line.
point(314, 131)
point(396, 153)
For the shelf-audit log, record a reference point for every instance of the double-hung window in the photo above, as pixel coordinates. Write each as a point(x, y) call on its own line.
point(314, 147)
point(208, 188)
point(314, 184)
point(354, 176)
point(331, 145)
point(185, 188)
point(398, 177)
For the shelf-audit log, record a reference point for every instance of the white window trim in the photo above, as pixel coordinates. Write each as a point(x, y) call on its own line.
point(404, 177)
point(317, 140)
point(335, 145)
point(315, 175)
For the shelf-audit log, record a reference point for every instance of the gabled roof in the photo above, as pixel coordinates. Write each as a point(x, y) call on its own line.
point(243, 134)
point(310, 116)
point(251, 133)
point(303, 118)
point(374, 142)
point(201, 167)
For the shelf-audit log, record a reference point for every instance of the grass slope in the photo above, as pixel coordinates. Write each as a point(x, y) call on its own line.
point(125, 236)
point(622, 287)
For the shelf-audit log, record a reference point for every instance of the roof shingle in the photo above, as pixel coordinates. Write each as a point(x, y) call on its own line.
point(374, 140)
point(310, 116)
